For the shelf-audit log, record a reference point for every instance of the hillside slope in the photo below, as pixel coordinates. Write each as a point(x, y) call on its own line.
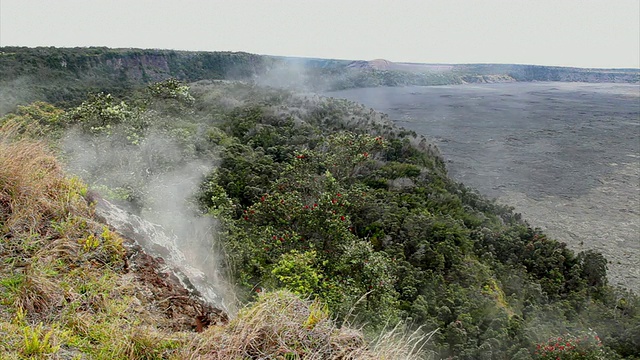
point(73, 288)
point(65, 75)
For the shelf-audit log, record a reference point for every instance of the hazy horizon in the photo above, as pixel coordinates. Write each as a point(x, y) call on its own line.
point(586, 34)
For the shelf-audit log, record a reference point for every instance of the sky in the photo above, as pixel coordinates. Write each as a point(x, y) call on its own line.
point(580, 33)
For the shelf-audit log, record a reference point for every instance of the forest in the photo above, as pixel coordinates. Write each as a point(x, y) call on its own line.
point(64, 76)
point(317, 201)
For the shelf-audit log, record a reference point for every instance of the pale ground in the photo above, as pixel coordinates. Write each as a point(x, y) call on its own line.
point(565, 155)
point(594, 221)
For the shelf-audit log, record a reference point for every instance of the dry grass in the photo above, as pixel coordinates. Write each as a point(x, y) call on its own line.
point(34, 196)
point(280, 325)
point(61, 284)
point(33, 188)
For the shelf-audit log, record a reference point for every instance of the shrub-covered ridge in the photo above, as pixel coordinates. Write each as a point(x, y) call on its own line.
point(73, 289)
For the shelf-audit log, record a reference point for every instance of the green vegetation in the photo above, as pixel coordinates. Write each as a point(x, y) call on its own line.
point(372, 225)
point(60, 276)
point(63, 76)
point(346, 78)
point(319, 198)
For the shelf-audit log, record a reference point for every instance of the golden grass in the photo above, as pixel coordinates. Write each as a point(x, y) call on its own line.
point(60, 282)
point(280, 325)
point(33, 188)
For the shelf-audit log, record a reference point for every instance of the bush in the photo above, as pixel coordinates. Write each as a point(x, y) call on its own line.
point(280, 325)
point(571, 347)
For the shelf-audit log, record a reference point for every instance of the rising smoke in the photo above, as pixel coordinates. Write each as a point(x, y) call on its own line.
point(156, 181)
point(16, 92)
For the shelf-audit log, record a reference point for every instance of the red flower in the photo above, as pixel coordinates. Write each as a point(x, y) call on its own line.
point(338, 194)
point(342, 218)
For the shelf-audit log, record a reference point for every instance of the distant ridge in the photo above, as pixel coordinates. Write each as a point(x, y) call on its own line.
point(382, 64)
point(28, 74)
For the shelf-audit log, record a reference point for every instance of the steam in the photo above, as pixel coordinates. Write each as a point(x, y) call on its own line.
point(298, 75)
point(288, 75)
point(160, 180)
point(168, 204)
point(15, 92)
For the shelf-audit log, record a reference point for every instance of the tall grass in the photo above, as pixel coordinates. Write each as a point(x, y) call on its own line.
point(33, 188)
point(280, 325)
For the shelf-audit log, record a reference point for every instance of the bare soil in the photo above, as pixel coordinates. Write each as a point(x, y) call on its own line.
point(165, 295)
point(565, 155)
point(163, 288)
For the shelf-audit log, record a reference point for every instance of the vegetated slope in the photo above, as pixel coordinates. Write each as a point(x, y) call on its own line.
point(63, 76)
point(515, 72)
point(72, 288)
point(327, 199)
point(69, 285)
point(552, 73)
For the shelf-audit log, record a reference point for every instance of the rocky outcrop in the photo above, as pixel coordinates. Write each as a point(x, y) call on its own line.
point(487, 79)
point(154, 258)
point(146, 67)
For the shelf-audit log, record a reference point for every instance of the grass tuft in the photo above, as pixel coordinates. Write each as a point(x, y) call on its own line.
point(280, 325)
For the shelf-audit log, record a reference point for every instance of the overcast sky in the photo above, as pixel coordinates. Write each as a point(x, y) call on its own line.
point(583, 33)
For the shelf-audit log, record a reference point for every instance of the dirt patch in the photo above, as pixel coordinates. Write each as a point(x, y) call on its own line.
point(163, 293)
point(164, 282)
